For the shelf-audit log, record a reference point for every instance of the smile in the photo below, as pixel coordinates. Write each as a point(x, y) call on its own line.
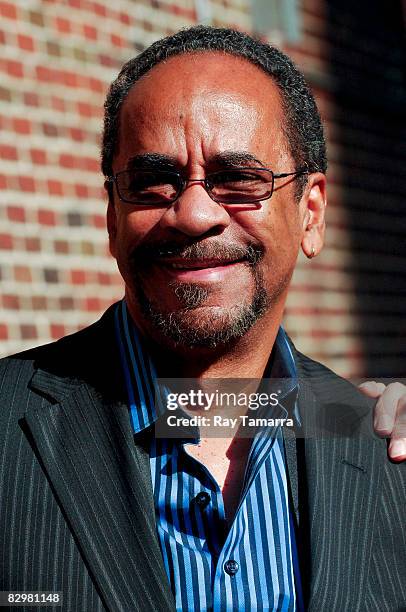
point(194, 264)
point(207, 269)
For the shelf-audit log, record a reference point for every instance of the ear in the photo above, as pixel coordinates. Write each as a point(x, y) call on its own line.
point(314, 201)
point(111, 219)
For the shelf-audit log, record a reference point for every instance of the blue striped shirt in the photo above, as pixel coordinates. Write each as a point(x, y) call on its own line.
point(249, 566)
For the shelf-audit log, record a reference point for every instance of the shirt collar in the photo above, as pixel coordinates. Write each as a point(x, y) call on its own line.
point(146, 406)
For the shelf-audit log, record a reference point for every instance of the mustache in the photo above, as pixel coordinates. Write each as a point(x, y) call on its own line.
point(145, 254)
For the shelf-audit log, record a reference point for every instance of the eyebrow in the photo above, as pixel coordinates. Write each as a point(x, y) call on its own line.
point(152, 161)
point(160, 161)
point(235, 158)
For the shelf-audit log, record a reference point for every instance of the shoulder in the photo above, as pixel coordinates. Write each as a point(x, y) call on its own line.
point(326, 383)
point(331, 405)
point(67, 357)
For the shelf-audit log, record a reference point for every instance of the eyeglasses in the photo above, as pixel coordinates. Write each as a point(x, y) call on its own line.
point(232, 186)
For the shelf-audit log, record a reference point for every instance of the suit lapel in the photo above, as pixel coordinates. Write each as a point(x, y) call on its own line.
point(291, 464)
point(101, 479)
point(342, 473)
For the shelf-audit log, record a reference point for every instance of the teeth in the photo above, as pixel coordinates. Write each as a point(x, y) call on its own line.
point(179, 266)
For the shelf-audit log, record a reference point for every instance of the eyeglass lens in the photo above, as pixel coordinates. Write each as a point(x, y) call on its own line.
point(229, 186)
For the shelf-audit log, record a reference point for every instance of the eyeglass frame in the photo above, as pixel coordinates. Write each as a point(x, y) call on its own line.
point(184, 182)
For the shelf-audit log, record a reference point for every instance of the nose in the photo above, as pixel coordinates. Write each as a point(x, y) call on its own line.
point(194, 213)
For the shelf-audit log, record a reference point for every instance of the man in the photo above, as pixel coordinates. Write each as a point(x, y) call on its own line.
point(214, 160)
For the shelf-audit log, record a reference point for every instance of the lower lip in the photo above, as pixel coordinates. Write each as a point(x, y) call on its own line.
point(216, 273)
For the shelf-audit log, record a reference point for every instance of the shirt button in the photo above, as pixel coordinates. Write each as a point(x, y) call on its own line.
point(202, 499)
point(231, 567)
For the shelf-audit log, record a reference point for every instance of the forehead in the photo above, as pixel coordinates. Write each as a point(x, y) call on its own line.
point(188, 75)
point(205, 91)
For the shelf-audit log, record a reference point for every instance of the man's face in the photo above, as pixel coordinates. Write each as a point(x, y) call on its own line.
point(198, 273)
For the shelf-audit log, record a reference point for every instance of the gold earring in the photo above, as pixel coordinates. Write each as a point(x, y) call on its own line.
point(312, 253)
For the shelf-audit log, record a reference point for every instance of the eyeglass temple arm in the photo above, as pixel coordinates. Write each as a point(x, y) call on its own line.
point(285, 174)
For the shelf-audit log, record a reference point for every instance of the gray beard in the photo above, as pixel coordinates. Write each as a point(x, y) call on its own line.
point(183, 327)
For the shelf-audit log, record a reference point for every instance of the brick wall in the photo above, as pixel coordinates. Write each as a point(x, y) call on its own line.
point(347, 307)
point(57, 60)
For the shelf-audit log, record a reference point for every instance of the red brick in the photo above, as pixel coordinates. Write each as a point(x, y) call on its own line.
point(7, 9)
point(28, 332)
point(124, 18)
point(184, 12)
point(99, 9)
point(32, 244)
point(82, 191)
point(103, 278)
point(46, 217)
point(70, 79)
point(117, 41)
point(53, 49)
point(97, 193)
point(57, 331)
point(8, 152)
point(98, 221)
point(38, 156)
point(90, 32)
point(26, 183)
point(13, 68)
point(36, 18)
point(67, 303)
point(16, 213)
point(55, 187)
point(63, 25)
point(11, 302)
point(86, 110)
point(97, 85)
point(87, 247)
point(77, 134)
point(3, 332)
point(31, 98)
point(6, 241)
point(91, 164)
point(21, 126)
point(6, 95)
point(58, 104)
point(3, 181)
point(66, 160)
point(43, 73)
point(108, 60)
point(25, 42)
point(78, 277)
point(50, 129)
point(93, 304)
point(22, 274)
point(39, 302)
point(61, 246)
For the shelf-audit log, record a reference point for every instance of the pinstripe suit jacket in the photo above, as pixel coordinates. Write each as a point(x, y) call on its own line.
point(77, 511)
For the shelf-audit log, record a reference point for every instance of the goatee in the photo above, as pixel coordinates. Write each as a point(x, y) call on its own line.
point(182, 326)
